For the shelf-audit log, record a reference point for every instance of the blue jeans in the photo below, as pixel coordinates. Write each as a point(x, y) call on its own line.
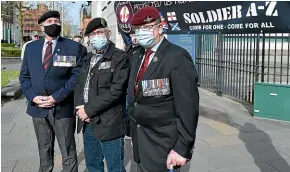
point(127, 115)
point(96, 150)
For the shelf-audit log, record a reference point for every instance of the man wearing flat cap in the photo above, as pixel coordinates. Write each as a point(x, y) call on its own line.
point(48, 78)
point(100, 100)
point(164, 98)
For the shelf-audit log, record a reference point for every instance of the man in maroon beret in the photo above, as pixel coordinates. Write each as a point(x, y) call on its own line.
point(163, 97)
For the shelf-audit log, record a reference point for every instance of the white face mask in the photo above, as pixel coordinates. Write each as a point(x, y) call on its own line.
point(145, 38)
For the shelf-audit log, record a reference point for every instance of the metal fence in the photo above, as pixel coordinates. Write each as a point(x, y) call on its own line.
point(230, 64)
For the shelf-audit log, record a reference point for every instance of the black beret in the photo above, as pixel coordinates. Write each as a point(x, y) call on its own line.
point(49, 14)
point(94, 24)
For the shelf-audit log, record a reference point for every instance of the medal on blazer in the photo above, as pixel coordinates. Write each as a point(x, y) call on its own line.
point(105, 65)
point(64, 61)
point(156, 87)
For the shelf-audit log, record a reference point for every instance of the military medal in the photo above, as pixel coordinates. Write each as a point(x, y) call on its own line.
point(144, 88)
point(155, 87)
point(149, 87)
point(167, 88)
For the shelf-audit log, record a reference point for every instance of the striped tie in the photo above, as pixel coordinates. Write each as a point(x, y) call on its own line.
point(47, 56)
point(142, 69)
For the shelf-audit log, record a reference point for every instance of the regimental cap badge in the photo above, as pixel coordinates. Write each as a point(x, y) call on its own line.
point(148, 19)
point(103, 22)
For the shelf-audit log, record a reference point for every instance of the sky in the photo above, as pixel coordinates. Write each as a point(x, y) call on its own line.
point(74, 11)
point(74, 8)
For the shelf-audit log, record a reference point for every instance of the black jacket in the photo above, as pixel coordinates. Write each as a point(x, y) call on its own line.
point(107, 94)
point(165, 121)
point(130, 50)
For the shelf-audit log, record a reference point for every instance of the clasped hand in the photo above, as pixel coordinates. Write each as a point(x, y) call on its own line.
point(175, 159)
point(44, 101)
point(82, 114)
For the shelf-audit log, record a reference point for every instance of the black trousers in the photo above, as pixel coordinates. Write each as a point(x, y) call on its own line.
point(140, 168)
point(46, 129)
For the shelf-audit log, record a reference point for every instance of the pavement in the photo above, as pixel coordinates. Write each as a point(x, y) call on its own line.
point(11, 63)
point(228, 139)
point(13, 89)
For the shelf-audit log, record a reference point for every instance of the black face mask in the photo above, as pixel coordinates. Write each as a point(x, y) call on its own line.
point(52, 30)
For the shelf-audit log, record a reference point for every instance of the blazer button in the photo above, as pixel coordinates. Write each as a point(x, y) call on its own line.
point(138, 126)
point(91, 73)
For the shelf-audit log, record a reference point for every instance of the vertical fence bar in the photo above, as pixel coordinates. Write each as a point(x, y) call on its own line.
point(281, 63)
point(244, 85)
point(240, 67)
point(257, 59)
point(275, 56)
point(263, 58)
point(209, 79)
point(232, 65)
point(224, 64)
point(229, 63)
point(212, 56)
point(269, 60)
point(202, 59)
point(198, 56)
point(234, 69)
point(208, 61)
point(238, 89)
point(247, 70)
point(288, 57)
point(219, 65)
point(251, 77)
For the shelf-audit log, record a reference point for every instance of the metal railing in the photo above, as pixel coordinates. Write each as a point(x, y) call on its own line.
point(229, 64)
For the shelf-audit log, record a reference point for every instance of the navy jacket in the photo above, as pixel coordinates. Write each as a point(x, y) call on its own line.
point(59, 82)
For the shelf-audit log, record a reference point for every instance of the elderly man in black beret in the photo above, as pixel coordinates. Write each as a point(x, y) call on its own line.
point(163, 97)
point(48, 78)
point(100, 100)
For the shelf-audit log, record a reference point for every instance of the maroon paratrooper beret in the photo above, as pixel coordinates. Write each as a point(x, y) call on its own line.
point(145, 15)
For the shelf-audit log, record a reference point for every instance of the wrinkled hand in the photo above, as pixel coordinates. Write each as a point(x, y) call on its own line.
point(82, 114)
point(49, 102)
point(39, 99)
point(175, 159)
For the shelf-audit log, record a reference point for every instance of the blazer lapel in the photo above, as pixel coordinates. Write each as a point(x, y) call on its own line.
point(38, 52)
point(155, 61)
point(59, 48)
point(138, 56)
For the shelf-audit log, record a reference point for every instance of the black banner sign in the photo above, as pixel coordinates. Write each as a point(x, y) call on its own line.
point(180, 17)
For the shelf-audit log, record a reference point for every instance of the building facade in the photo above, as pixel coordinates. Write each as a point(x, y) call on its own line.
point(105, 9)
point(85, 16)
point(7, 16)
point(30, 20)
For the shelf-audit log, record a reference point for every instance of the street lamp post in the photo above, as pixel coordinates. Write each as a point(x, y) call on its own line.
point(62, 19)
point(62, 12)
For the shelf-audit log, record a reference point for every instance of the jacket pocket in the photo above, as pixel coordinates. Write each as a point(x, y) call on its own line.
point(105, 78)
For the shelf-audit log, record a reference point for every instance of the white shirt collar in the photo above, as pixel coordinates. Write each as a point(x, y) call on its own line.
point(54, 40)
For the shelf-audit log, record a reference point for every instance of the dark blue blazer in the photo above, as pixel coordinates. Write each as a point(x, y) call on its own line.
point(59, 82)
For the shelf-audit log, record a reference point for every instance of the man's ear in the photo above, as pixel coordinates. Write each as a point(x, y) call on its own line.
point(160, 30)
point(109, 34)
point(42, 28)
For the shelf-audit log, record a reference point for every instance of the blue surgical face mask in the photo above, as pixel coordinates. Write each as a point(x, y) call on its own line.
point(145, 38)
point(99, 42)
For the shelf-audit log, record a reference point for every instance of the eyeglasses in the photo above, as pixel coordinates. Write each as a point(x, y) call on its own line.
point(99, 33)
point(143, 28)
